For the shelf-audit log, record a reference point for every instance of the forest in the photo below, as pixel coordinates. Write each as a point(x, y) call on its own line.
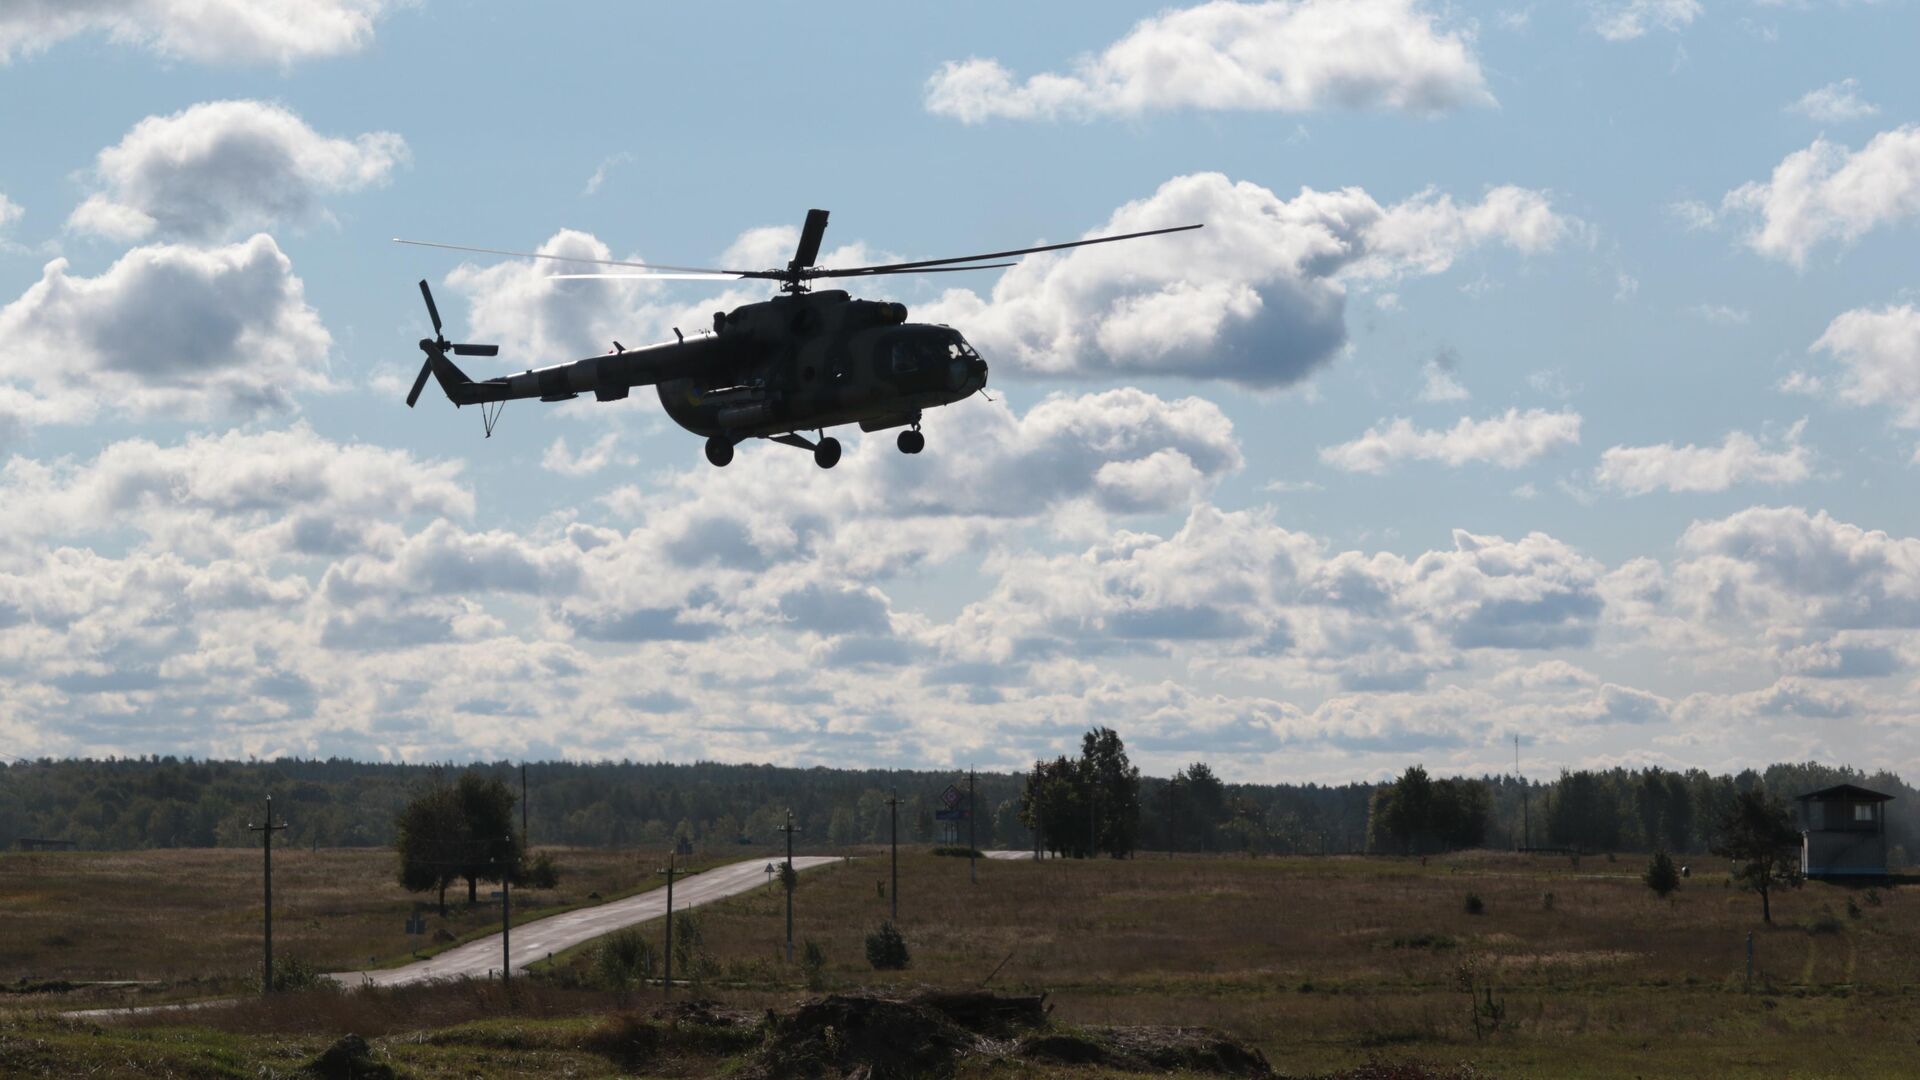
point(164, 801)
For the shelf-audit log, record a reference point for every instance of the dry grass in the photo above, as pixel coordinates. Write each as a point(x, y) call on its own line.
point(1325, 964)
point(192, 918)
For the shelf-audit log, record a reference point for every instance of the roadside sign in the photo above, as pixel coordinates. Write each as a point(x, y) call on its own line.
point(949, 815)
point(952, 797)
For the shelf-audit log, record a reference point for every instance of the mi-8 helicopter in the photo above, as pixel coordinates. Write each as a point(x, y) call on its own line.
point(801, 361)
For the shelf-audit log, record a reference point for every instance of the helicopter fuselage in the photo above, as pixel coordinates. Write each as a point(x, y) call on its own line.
point(820, 360)
point(799, 362)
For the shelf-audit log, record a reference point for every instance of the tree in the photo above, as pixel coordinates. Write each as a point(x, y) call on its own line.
point(1661, 876)
point(1115, 785)
point(1756, 832)
point(1205, 801)
point(454, 831)
point(1418, 814)
point(492, 850)
point(430, 834)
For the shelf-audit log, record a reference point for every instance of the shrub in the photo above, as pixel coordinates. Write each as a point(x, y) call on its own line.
point(1475, 905)
point(293, 973)
point(886, 949)
point(1546, 901)
point(544, 873)
point(1853, 909)
point(813, 962)
point(958, 851)
point(625, 957)
point(1661, 876)
point(1873, 897)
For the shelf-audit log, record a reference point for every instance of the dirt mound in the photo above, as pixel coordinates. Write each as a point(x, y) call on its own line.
point(845, 1035)
point(849, 1035)
point(984, 1012)
point(1147, 1049)
point(350, 1059)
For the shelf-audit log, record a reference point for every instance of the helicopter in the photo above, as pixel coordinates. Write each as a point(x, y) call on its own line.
point(801, 361)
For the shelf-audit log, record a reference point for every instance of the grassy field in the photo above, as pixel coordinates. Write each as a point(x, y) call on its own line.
point(192, 918)
point(1322, 963)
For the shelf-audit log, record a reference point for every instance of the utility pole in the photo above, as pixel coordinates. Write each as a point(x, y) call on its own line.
point(790, 828)
point(1526, 810)
point(506, 905)
point(670, 872)
point(525, 837)
point(266, 837)
point(893, 835)
point(973, 832)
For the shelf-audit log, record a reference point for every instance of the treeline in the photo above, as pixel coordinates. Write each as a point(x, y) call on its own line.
point(130, 803)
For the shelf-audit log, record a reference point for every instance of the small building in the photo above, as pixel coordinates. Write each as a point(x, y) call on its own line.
point(1843, 832)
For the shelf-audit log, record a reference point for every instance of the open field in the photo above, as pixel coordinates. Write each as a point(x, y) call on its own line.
point(192, 918)
point(1322, 963)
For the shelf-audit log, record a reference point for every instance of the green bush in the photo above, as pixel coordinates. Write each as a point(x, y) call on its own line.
point(624, 958)
point(544, 873)
point(1475, 905)
point(813, 963)
point(1661, 876)
point(293, 973)
point(887, 950)
point(958, 851)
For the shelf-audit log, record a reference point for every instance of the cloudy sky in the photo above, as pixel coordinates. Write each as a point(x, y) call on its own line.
point(1544, 370)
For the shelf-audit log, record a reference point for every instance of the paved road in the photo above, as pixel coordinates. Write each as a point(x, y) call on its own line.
point(1008, 854)
point(535, 940)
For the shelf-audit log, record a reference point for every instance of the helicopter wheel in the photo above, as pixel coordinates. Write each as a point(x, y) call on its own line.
point(912, 442)
point(719, 451)
point(827, 453)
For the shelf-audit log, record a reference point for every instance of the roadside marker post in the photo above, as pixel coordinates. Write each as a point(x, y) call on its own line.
point(266, 835)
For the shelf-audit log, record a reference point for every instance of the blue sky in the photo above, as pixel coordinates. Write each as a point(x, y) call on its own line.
point(1544, 370)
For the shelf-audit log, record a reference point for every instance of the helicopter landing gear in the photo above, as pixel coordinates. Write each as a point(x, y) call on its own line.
point(911, 441)
point(827, 453)
point(719, 451)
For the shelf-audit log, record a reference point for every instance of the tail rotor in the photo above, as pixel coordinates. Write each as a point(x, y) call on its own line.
point(437, 347)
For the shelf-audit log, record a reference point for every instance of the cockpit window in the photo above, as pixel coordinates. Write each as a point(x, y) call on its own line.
point(906, 357)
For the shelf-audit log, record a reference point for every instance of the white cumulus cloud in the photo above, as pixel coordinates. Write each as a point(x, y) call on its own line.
point(1834, 103)
point(1510, 440)
point(1739, 459)
point(1878, 350)
point(1284, 56)
point(1257, 297)
point(207, 31)
point(223, 167)
point(1827, 193)
point(168, 328)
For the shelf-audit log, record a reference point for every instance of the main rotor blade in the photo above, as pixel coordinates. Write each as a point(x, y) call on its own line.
point(599, 262)
point(894, 268)
point(644, 277)
point(876, 271)
point(414, 394)
point(810, 234)
point(476, 350)
point(432, 312)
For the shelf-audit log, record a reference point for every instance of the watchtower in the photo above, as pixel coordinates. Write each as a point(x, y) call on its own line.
point(1843, 832)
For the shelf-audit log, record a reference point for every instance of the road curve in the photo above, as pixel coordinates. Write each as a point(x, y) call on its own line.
point(535, 940)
